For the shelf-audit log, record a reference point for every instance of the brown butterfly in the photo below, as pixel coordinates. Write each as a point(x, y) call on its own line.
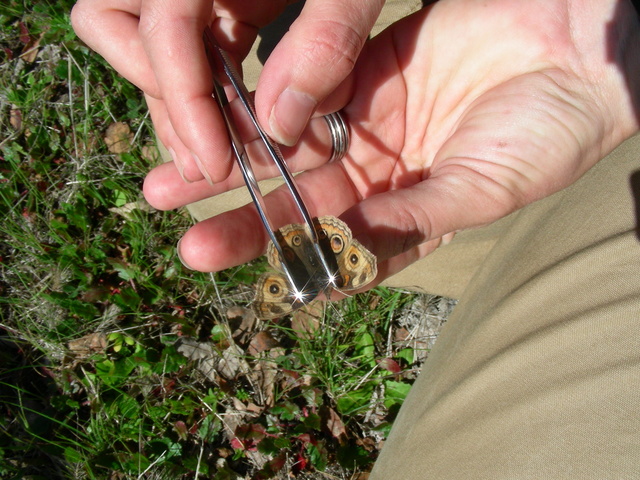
point(353, 264)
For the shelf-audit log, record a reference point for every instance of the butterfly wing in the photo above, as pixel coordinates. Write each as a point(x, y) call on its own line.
point(273, 296)
point(357, 266)
point(354, 264)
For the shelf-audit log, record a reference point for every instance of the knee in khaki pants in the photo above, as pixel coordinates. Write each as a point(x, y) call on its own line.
point(537, 372)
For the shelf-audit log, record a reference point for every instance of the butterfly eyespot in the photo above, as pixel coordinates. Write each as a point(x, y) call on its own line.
point(337, 244)
point(354, 258)
point(296, 240)
point(274, 289)
point(322, 233)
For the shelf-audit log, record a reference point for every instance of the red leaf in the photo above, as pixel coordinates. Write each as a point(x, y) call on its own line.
point(181, 429)
point(390, 365)
point(236, 444)
point(278, 462)
point(24, 33)
point(300, 464)
point(248, 436)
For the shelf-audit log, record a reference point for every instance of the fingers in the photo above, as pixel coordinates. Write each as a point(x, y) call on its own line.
point(312, 59)
point(158, 46)
point(180, 154)
point(165, 188)
point(398, 226)
point(171, 33)
point(395, 225)
point(238, 236)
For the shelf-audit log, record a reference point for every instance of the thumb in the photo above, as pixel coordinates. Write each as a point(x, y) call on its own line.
point(311, 60)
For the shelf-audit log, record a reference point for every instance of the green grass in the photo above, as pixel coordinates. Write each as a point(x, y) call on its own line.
point(115, 361)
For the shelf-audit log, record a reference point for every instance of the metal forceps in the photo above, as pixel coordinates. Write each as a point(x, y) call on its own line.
point(224, 73)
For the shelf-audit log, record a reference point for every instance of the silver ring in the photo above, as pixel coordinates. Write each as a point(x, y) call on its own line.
point(339, 136)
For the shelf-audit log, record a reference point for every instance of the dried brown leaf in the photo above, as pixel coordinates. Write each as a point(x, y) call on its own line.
point(126, 209)
point(202, 353)
point(374, 302)
point(210, 362)
point(32, 47)
point(306, 321)
point(150, 153)
point(401, 334)
point(118, 137)
point(255, 409)
point(15, 118)
point(264, 375)
point(83, 347)
point(232, 362)
point(242, 322)
point(261, 342)
point(368, 443)
point(334, 424)
point(238, 404)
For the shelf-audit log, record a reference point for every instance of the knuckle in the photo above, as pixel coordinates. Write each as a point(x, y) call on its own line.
point(411, 225)
point(412, 231)
point(335, 47)
point(149, 24)
point(151, 19)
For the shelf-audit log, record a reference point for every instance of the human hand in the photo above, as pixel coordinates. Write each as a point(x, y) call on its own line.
point(459, 115)
point(158, 46)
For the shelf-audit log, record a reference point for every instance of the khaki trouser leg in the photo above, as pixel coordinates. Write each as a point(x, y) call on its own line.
point(537, 372)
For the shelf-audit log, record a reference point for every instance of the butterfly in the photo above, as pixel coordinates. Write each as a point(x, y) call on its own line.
point(353, 264)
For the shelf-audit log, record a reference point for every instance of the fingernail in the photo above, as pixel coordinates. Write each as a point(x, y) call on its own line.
point(446, 239)
point(289, 116)
point(202, 169)
point(179, 165)
point(184, 264)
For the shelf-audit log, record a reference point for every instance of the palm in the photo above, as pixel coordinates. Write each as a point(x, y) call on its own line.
point(503, 118)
